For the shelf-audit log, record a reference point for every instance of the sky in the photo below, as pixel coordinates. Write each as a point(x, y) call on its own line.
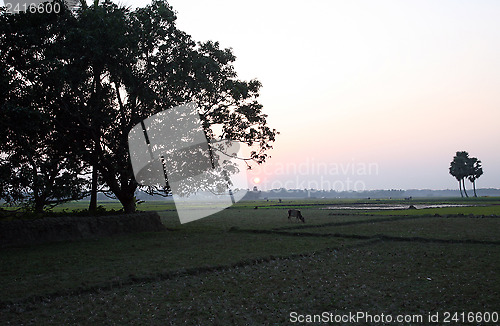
point(365, 94)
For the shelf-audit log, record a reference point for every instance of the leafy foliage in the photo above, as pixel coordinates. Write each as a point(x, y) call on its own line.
point(97, 73)
point(36, 169)
point(463, 167)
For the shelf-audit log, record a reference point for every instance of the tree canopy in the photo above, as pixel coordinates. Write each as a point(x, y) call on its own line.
point(92, 75)
point(463, 167)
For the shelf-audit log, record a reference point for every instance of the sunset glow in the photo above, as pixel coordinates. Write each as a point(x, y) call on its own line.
point(400, 84)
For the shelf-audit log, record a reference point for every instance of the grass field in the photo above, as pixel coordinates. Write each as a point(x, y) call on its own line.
point(246, 266)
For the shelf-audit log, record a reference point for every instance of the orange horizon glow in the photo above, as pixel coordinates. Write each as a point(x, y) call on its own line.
point(401, 84)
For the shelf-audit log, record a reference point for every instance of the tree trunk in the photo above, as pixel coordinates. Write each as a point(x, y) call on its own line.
point(124, 192)
point(128, 203)
point(460, 187)
point(474, 186)
point(93, 191)
point(465, 190)
point(96, 126)
point(39, 205)
point(127, 199)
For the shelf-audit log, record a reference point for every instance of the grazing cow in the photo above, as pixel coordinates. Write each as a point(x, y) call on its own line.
point(295, 213)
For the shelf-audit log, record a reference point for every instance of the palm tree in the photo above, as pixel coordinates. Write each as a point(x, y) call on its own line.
point(475, 172)
point(459, 169)
point(454, 172)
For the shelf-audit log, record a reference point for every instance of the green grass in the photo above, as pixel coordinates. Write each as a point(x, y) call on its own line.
point(261, 219)
point(474, 210)
point(382, 278)
point(311, 203)
point(246, 266)
point(69, 267)
point(479, 229)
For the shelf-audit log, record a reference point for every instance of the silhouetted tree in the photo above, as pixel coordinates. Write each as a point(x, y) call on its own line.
point(475, 171)
point(36, 168)
point(106, 68)
point(36, 171)
point(463, 167)
point(459, 169)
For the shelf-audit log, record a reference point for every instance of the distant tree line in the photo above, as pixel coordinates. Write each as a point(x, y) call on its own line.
point(367, 194)
point(319, 193)
point(464, 167)
point(72, 85)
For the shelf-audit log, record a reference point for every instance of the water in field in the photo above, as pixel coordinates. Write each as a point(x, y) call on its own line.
point(393, 206)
